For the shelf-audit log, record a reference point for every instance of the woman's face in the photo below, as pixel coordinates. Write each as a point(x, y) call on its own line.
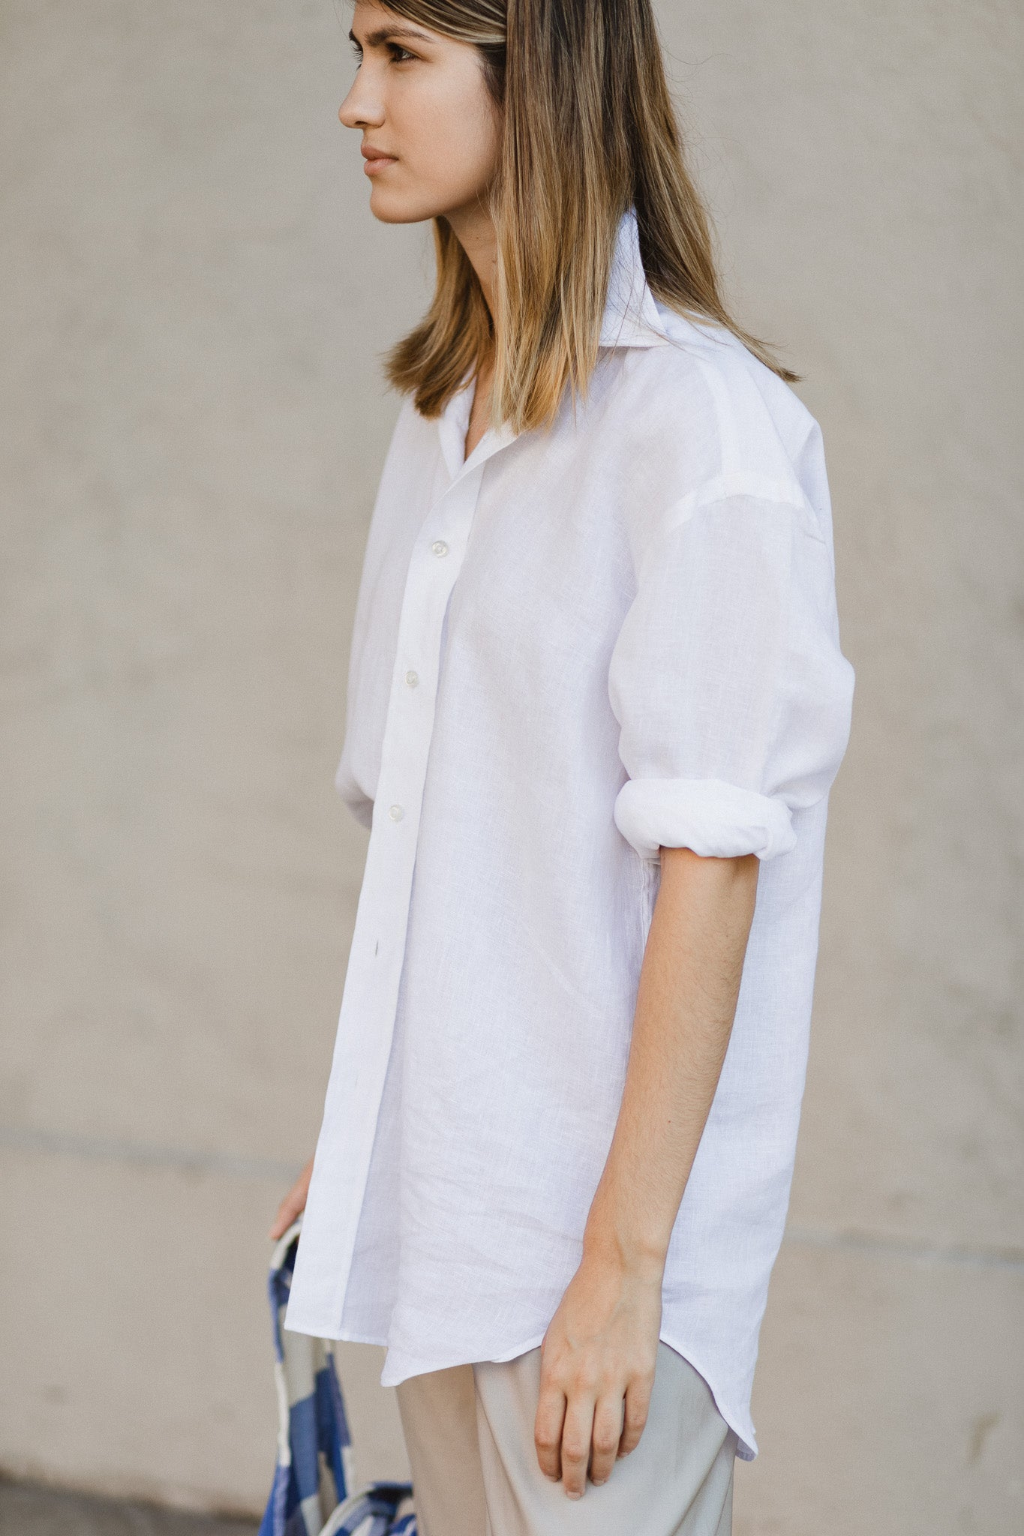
point(422, 106)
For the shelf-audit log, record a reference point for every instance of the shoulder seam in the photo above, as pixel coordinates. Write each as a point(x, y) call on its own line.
point(779, 493)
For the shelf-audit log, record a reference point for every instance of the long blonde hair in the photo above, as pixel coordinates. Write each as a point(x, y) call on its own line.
point(588, 129)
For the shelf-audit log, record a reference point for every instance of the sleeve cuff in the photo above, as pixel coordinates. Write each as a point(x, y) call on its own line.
point(715, 819)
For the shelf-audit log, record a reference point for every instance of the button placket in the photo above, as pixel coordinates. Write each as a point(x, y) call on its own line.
point(404, 752)
point(377, 953)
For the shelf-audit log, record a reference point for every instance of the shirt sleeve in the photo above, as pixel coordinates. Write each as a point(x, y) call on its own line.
point(350, 791)
point(727, 681)
point(345, 780)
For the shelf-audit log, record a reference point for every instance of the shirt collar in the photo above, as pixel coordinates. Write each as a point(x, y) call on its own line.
point(630, 319)
point(452, 426)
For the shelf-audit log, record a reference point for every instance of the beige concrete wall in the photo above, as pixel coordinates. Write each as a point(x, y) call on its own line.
point(195, 297)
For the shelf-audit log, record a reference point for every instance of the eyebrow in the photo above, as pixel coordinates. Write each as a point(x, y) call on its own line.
point(384, 34)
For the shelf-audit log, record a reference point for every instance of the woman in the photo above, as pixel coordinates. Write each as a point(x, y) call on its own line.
point(596, 703)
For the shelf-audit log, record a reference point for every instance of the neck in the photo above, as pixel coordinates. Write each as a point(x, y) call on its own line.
point(475, 232)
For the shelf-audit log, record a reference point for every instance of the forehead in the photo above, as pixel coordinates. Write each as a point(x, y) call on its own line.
point(371, 18)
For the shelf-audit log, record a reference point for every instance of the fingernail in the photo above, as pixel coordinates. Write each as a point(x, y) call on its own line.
point(598, 1482)
point(570, 1495)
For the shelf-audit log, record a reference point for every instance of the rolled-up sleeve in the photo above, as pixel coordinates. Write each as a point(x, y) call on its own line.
point(727, 681)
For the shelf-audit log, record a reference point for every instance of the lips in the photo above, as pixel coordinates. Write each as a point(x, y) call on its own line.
point(375, 157)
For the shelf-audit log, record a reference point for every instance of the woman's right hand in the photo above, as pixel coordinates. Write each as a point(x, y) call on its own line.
point(293, 1204)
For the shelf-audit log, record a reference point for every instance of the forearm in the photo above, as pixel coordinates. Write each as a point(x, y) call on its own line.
point(600, 1350)
point(686, 1000)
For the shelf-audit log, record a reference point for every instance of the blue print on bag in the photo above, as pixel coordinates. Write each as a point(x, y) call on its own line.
point(313, 1491)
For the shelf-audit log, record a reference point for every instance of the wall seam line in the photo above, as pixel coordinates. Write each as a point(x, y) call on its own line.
point(184, 1159)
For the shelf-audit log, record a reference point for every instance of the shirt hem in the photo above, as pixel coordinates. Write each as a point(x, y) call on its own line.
point(746, 1444)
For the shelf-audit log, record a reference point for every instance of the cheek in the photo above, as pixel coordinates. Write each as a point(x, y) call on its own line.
point(455, 136)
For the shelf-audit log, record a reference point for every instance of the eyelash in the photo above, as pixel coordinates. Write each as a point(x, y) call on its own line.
point(393, 48)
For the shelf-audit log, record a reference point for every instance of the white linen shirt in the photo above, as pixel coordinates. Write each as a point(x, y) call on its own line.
point(570, 649)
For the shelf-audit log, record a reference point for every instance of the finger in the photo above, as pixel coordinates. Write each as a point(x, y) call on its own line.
point(547, 1430)
point(638, 1402)
point(293, 1203)
point(286, 1214)
point(576, 1432)
point(609, 1416)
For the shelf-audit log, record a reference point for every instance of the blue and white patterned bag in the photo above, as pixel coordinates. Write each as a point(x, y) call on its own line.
point(313, 1493)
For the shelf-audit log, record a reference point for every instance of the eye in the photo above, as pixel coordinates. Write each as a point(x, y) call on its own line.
point(396, 49)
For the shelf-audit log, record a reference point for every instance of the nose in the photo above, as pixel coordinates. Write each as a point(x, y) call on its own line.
point(362, 107)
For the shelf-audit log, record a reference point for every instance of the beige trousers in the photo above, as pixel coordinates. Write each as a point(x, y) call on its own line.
point(469, 1434)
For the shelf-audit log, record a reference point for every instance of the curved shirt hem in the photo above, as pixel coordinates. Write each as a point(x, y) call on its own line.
point(394, 1373)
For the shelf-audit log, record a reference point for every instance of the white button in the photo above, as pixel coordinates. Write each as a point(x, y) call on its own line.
point(439, 547)
point(396, 813)
point(411, 679)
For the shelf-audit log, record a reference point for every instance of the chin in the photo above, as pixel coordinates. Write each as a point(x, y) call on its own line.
point(392, 208)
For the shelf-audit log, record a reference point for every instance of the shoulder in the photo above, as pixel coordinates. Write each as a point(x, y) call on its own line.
point(412, 429)
point(709, 419)
point(412, 444)
point(706, 374)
